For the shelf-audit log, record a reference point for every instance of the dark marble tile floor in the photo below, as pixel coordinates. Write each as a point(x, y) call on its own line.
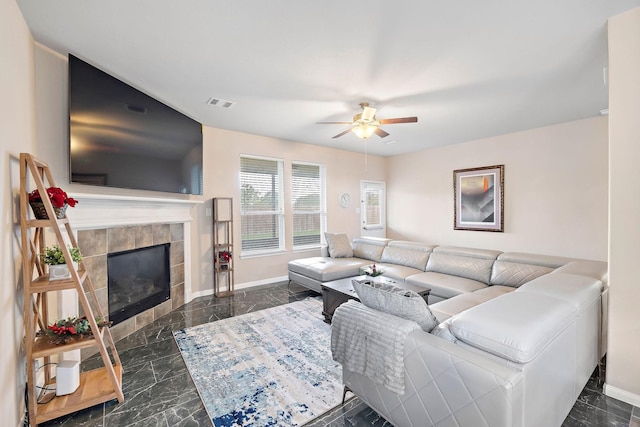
point(159, 392)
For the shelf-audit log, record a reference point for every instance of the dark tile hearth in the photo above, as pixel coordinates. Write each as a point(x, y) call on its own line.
point(159, 392)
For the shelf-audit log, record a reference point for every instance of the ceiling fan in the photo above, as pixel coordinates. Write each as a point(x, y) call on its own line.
point(365, 123)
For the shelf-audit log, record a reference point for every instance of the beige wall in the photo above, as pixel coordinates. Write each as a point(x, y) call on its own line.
point(623, 370)
point(222, 152)
point(16, 135)
point(555, 191)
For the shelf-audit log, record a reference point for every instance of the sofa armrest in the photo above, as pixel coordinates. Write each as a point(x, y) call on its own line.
point(453, 384)
point(598, 270)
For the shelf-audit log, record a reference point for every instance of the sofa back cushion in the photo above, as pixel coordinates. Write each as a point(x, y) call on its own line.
point(474, 264)
point(369, 248)
point(515, 268)
point(516, 274)
point(516, 326)
point(339, 246)
point(395, 300)
point(416, 246)
point(405, 256)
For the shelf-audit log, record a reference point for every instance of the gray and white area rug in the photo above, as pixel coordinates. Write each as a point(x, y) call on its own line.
point(268, 368)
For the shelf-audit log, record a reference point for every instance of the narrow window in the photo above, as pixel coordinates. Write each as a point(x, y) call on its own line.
point(261, 205)
point(308, 201)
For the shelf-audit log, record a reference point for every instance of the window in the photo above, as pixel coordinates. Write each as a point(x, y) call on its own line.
point(373, 215)
point(261, 200)
point(308, 201)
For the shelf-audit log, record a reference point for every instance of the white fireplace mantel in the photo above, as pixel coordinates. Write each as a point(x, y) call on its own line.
point(104, 210)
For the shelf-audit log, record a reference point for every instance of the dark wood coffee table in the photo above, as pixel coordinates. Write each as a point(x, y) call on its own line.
point(339, 291)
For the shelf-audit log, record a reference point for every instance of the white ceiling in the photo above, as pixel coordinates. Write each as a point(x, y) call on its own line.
point(468, 69)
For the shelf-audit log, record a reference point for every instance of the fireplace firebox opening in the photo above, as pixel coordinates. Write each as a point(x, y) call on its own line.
point(138, 280)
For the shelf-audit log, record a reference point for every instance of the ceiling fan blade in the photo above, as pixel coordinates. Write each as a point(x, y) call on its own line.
point(368, 113)
point(398, 120)
point(342, 133)
point(333, 123)
point(381, 133)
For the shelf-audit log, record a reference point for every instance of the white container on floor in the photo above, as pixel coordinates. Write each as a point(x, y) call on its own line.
point(67, 377)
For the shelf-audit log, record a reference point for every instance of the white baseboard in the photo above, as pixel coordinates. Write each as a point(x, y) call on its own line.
point(620, 394)
point(199, 294)
point(239, 286)
point(262, 282)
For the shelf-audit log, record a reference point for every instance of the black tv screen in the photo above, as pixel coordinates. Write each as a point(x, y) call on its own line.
point(121, 137)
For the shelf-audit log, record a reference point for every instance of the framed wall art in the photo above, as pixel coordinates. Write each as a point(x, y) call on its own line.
point(478, 196)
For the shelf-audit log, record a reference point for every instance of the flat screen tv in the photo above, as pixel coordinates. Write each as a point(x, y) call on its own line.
point(121, 137)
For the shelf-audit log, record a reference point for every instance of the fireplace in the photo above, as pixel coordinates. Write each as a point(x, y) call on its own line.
point(138, 279)
point(114, 223)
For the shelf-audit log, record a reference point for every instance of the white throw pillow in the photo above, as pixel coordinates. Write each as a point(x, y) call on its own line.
point(339, 246)
point(395, 300)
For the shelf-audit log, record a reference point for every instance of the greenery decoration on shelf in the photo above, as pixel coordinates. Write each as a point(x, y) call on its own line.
point(64, 330)
point(53, 255)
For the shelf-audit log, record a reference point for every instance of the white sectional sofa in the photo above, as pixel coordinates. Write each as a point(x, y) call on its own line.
point(520, 334)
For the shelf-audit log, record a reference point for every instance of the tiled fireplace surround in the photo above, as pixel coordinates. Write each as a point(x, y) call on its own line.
point(97, 243)
point(107, 224)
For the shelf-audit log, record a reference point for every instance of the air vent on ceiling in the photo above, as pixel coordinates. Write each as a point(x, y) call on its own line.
point(217, 102)
point(140, 109)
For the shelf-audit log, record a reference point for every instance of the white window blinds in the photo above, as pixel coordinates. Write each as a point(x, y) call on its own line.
point(308, 203)
point(261, 209)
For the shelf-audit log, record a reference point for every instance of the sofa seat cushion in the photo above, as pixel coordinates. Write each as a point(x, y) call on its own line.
point(579, 291)
point(490, 292)
point(325, 269)
point(516, 326)
point(444, 285)
point(398, 272)
point(452, 306)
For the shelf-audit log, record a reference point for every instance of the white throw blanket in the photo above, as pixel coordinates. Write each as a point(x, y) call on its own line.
point(371, 343)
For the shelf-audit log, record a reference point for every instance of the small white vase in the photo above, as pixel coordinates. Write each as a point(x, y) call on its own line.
point(59, 272)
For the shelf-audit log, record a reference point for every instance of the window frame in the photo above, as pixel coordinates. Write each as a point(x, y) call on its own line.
point(278, 212)
point(322, 212)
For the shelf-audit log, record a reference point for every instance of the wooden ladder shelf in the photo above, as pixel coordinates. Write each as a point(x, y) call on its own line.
point(96, 386)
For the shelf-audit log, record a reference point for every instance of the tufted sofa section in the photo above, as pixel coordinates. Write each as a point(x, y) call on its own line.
point(518, 332)
point(499, 362)
point(459, 278)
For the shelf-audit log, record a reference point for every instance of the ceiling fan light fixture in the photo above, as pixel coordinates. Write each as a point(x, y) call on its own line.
point(364, 130)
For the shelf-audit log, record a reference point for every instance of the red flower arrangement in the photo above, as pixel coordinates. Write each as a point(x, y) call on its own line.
point(57, 196)
point(225, 256)
point(64, 330)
